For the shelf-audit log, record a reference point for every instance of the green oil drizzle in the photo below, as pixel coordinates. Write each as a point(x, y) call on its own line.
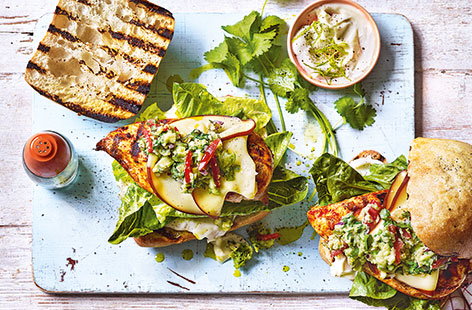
point(209, 252)
point(160, 257)
point(285, 268)
point(290, 234)
point(237, 273)
point(187, 254)
point(299, 253)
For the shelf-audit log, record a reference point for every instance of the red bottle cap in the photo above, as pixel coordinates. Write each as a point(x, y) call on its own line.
point(46, 154)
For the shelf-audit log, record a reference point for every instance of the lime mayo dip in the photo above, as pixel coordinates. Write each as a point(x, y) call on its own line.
point(338, 46)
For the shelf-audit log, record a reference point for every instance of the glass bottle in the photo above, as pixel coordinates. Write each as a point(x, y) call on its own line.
point(50, 160)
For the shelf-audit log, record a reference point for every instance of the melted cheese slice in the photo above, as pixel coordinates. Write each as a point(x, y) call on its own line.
point(427, 282)
point(244, 182)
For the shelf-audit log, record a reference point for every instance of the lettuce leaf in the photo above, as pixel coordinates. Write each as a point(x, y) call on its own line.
point(287, 187)
point(192, 99)
point(278, 143)
point(335, 180)
point(385, 174)
point(373, 292)
point(136, 216)
point(152, 112)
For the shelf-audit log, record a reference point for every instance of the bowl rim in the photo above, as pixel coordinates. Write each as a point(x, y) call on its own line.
point(293, 31)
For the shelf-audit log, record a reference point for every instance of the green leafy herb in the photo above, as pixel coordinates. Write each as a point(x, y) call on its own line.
point(357, 114)
point(194, 99)
point(278, 144)
point(300, 99)
point(136, 217)
point(151, 112)
point(373, 292)
point(241, 253)
point(384, 174)
point(335, 180)
point(287, 187)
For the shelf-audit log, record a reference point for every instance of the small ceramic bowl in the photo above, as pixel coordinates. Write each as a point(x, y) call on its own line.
point(307, 16)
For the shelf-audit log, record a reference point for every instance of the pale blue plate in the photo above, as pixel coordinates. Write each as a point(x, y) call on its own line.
point(75, 223)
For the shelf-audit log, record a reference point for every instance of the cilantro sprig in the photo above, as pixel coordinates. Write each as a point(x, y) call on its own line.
point(357, 114)
point(252, 51)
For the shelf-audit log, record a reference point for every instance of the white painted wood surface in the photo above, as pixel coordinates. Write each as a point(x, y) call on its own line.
point(443, 34)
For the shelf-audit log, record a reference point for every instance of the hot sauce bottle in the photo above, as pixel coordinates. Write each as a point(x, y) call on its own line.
point(50, 160)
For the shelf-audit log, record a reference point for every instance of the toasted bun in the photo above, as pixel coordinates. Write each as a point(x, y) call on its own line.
point(449, 280)
point(371, 154)
point(440, 195)
point(168, 236)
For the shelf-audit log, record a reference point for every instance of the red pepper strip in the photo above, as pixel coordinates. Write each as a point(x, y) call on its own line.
point(374, 214)
point(398, 245)
point(338, 252)
point(405, 233)
point(147, 135)
point(209, 154)
point(268, 237)
point(188, 166)
point(215, 172)
point(439, 262)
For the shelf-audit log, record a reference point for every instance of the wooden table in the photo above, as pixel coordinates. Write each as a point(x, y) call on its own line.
point(443, 79)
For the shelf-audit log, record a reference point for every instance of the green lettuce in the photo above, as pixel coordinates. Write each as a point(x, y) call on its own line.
point(336, 180)
point(192, 99)
point(373, 292)
point(278, 143)
point(386, 173)
point(287, 187)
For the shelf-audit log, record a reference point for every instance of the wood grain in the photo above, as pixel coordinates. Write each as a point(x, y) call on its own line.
point(443, 78)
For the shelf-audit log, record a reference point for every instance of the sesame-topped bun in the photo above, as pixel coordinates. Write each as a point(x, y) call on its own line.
point(440, 195)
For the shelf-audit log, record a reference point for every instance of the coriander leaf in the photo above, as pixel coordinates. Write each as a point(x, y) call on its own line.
point(246, 51)
point(245, 27)
point(265, 63)
point(284, 79)
point(298, 99)
point(273, 23)
point(239, 48)
point(287, 187)
point(335, 180)
point(278, 144)
point(358, 115)
point(358, 90)
point(221, 57)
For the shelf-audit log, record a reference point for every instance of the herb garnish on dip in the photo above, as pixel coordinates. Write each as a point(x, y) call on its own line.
point(337, 47)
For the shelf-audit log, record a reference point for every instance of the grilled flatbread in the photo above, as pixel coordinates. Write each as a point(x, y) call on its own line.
point(98, 57)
